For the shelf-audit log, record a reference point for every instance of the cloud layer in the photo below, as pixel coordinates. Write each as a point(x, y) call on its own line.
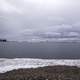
point(39, 19)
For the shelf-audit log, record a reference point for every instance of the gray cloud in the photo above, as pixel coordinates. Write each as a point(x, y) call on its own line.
point(39, 19)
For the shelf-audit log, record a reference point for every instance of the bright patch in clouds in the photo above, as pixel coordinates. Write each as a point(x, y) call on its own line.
point(5, 6)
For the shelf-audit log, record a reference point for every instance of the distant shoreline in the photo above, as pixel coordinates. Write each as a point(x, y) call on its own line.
point(3, 40)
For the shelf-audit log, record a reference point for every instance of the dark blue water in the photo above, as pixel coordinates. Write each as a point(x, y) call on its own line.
point(59, 50)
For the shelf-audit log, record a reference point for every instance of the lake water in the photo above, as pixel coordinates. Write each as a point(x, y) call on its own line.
point(50, 50)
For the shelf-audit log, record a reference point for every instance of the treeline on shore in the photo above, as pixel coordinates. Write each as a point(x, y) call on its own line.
point(3, 40)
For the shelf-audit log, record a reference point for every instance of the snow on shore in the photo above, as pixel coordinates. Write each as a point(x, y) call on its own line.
point(11, 64)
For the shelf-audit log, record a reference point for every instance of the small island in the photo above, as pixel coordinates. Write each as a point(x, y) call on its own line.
point(3, 40)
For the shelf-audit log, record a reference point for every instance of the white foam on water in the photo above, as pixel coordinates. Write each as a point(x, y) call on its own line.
point(17, 63)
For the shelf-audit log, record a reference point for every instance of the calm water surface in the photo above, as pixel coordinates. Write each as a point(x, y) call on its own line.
point(59, 50)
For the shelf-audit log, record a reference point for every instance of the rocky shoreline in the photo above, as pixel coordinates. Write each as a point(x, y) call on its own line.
point(43, 73)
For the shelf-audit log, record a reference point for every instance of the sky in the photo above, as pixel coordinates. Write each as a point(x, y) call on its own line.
point(23, 20)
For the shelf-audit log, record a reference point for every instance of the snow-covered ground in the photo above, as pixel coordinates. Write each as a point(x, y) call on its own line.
point(10, 64)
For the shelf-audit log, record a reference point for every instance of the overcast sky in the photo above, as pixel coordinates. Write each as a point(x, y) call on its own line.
point(39, 19)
